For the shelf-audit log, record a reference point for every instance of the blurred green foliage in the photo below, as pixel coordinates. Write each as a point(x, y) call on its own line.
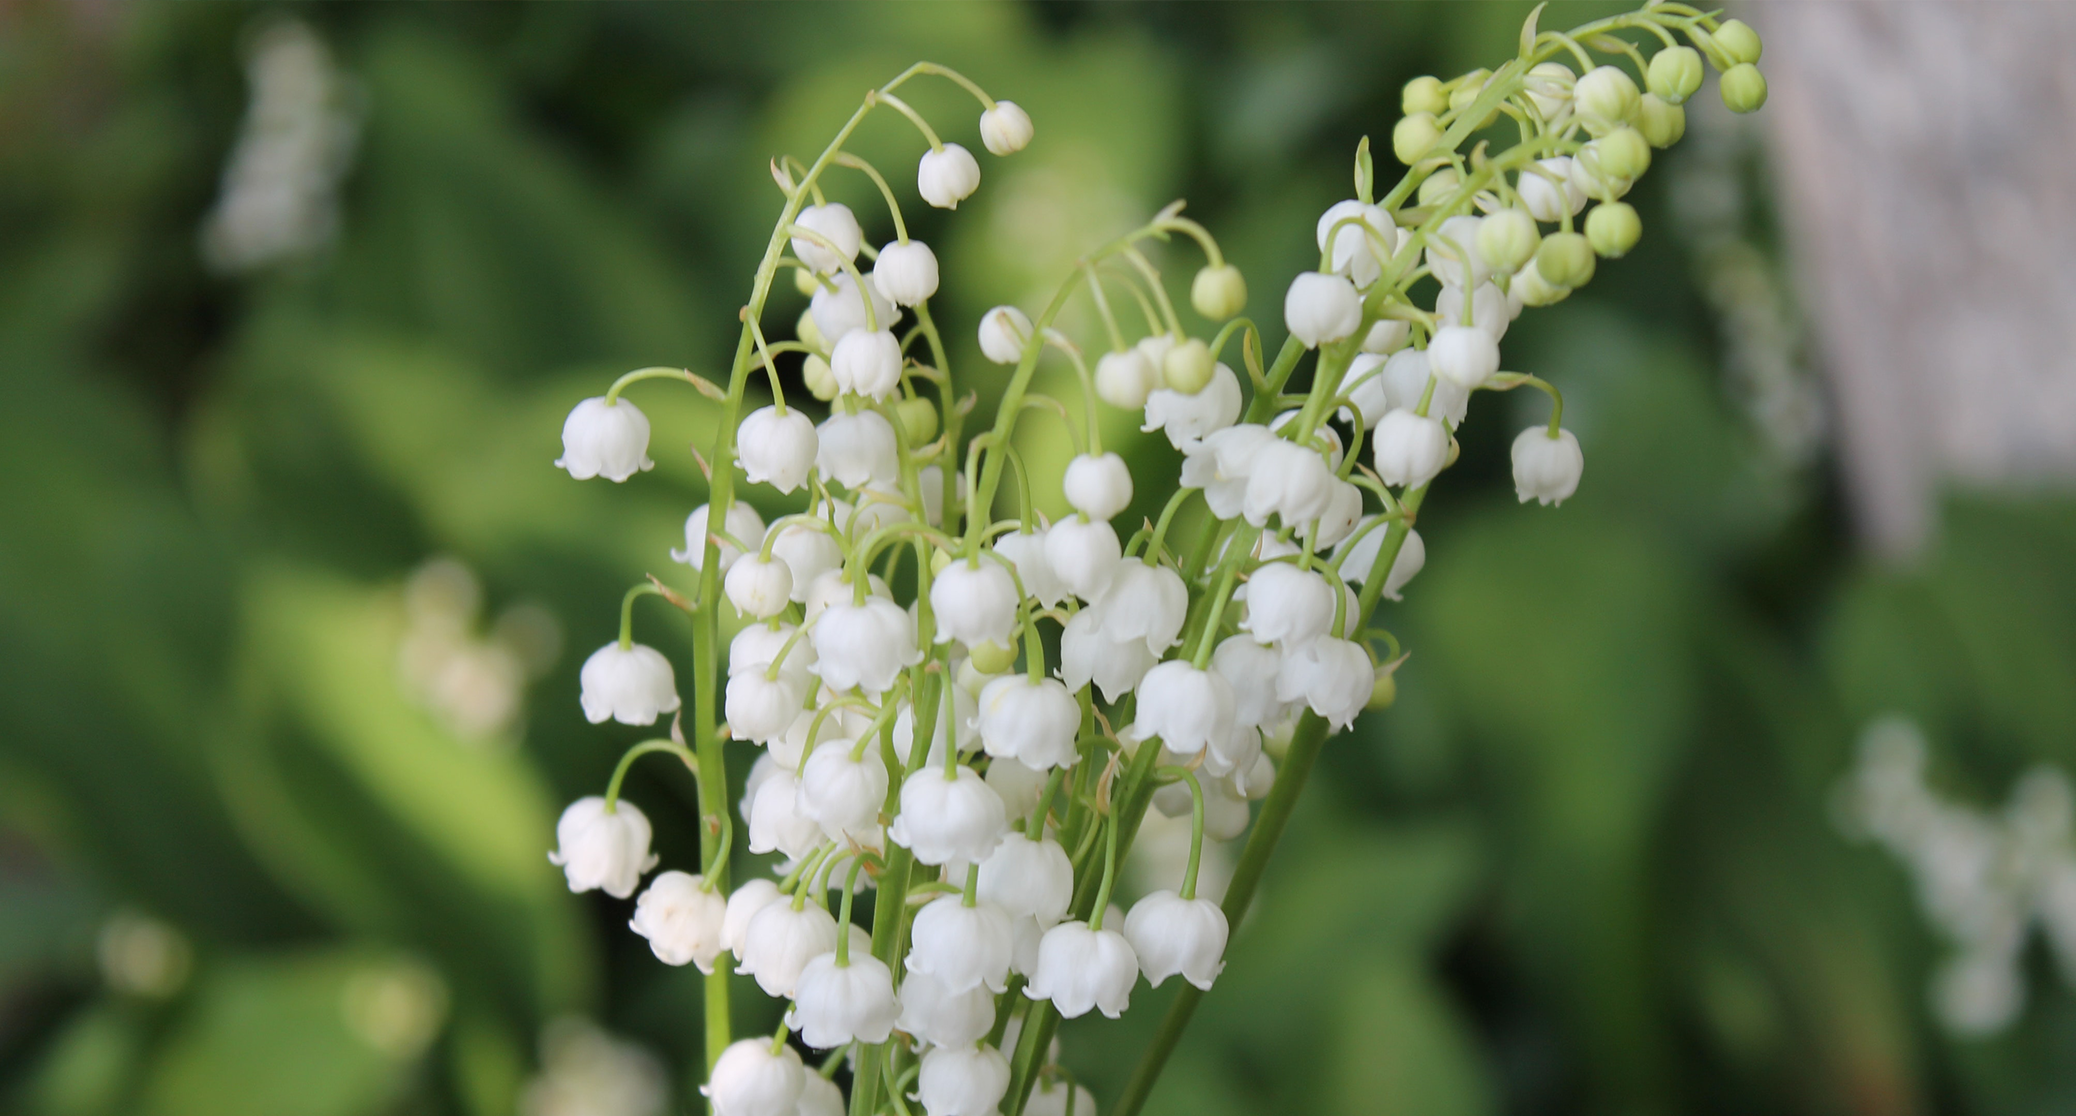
point(1585, 865)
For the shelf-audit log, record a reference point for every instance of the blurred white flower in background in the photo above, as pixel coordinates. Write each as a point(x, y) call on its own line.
point(1982, 879)
point(143, 956)
point(474, 684)
point(280, 187)
point(587, 1072)
point(396, 1007)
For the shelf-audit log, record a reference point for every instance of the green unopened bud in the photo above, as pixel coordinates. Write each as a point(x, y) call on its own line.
point(1438, 185)
point(810, 334)
point(820, 380)
point(1623, 153)
point(1592, 180)
point(1383, 692)
point(1661, 122)
point(1533, 288)
point(1613, 229)
point(1739, 41)
point(1565, 260)
point(1606, 94)
point(938, 560)
point(1424, 94)
point(804, 281)
point(1187, 367)
point(991, 658)
point(1744, 88)
point(1674, 74)
point(1507, 239)
point(1219, 292)
point(1467, 89)
point(918, 420)
point(1414, 137)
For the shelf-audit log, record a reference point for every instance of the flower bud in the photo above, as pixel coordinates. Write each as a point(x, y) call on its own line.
point(1613, 229)
point(1186, 418)
point(947, 176)
point(1321, 308)
point(991, 658)
point(1607, 94)
point(1593, 182)
point(1547, 191)
point(837, 225)
point(805, 327)
point(1098, 486)
point(749, 1080)
point(1218, 292)
point(1548, 86)
point(1674, 74)
point(759, 589)
point(867, 363)
point(1565, 260)
point(1467, 89)
point(1622, 153)
point(1424, 94)
point(1437, 185)
point(601, 439)
point(1661, 122)
point(1532, 289)
point(918, 420)
point(1187, 367)
point(1466, 356)
point(906, 272)
point(804, 281)
point(1384, 691)
point(1414, 137)
point(1005, 129)
point(1124, 378)
point(1546, 467)
point(1458, 238)
point(1359, 249)
point(1739, 41)
point(1744, 88)
point(1507, 239)
point(821, 382)
point(1003, 332)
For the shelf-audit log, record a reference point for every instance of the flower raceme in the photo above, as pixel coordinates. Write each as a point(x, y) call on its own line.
point(918, 730)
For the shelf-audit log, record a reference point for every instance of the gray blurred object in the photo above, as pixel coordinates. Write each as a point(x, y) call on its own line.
point(1927, 154)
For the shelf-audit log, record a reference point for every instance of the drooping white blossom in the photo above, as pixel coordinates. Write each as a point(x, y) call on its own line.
point(962, 1080)
point(1079, 969)
point(1186, 418)
point(1175, 935)
point(1003, 333)
point(906, 272)
point(631, 685)
point(947, 176)
point(681, 919)
point(742, 524)
point(776, 449)
point(836, 224)
point(601, 439)
point(1547, 467)
point(1321, 308)
point(961, 946)
point(835, 1004)
point(1034, 722)
point(750, 1080)
point(1005, 128)
point(601, 849)
point(945, 819)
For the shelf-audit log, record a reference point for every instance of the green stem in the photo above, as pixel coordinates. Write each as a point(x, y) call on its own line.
point(612, 794)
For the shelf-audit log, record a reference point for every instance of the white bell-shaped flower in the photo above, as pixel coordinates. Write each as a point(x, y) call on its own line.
point(776, 449)
point(751, 896)
point(1288, 481)
point(1410, 449)
point(756, 647)
point(947, 176)
point(1489, 309)
point(867, 363)
point(1024, 960)
point(820, 1096)
point(1333, 677)
point(1457, 239)
point(960, 717)
point(631, 685)
point(866, 645)
point(1320, 309)
point(1221, 464)
point(1232, 751)
point(841, 794)
point(1087, 655)
point(961, 946)
point(759, 589)
point(601, 439)
point(1098, 486)
point(1026, 551)
point(1032, 722)
point(1365, 386)
point(941, 1017)
point(906, 272)
point(1548, 86)
point(1547, 467)
point(1343, 512)
point(1250, 669)
point(974, 603)
point(1406, 377)
point(962, 1080)
point(1005, 128)
point(1018, 785)
point(681, 919)
point(761, 708)
point(1183, 706)
point(1079, 968)
point(837, 309)
point(1186, 418)
point(808, 552)
point(1362, 561)
point(1029, 879)
point(836, 224)
point(835, 1004)
point(780, 941)
point(742, 523)
point(749, 1080)
point(1084, 555)
point(1053, 1098)
point(1547, 191)
point(776, 822)
point(1355, 252)
point(1146, 602)
point(1125, 378)
point(1463, 355)
point(1287, 605)
point(600, 849)
point(1176, 935)
point(1003, 332)
point(1387, 335)
point(960, 818)
point(833, 588)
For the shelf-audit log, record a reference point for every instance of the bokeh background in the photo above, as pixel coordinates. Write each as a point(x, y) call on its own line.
point(1713, 791)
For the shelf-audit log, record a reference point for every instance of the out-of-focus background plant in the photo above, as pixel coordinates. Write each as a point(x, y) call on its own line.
point(1686, 804)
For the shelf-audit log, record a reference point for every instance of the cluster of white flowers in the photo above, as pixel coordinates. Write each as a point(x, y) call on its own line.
point(1983, 880)
point(884, 603)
